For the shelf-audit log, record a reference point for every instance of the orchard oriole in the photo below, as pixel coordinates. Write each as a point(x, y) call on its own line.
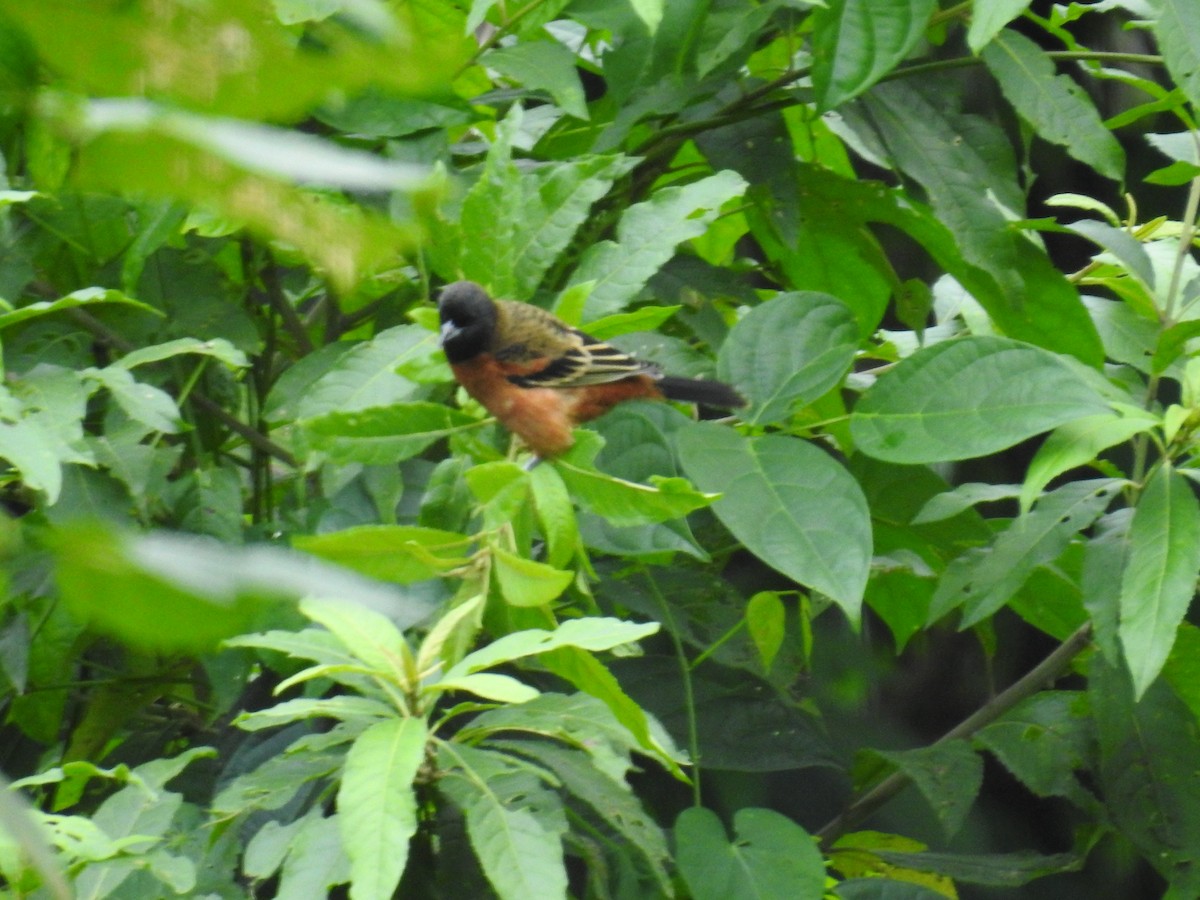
point(540, 377)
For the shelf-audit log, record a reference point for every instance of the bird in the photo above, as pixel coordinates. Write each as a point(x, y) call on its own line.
point(540, 377)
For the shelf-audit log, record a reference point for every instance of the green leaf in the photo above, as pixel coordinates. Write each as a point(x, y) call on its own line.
point(624, 502)
point(33, 452)
point(383, 435)
point(610, 799)
point(1160, 575)
point(1043, 741)
point(1147, 771)
point(792, 506)
point(525, 582)
point(982, 581)
point(218, 348)
point(366, 634)
point(516, 840)
point(543, 65)
point(73, 300)
point(377, 805)
point(949, 504)
point(579, 720)
point(969, 397)
point(948, 774)
point(303, 708)
point(1026, 296)
point(787, 352)
point(592, 633)
point(490, 686)
point(987, 19)
point(647, 236)
point(966, 166)
point(447, 641)
point(366, 377)
point(766, 621)
point(1177, 30)
point(1076, 444)
point(1057, 108)
point(1128, 250)
point(770, 858)
point(144, 403)
point(555, 515)
point(402, 553)
point(857, 42)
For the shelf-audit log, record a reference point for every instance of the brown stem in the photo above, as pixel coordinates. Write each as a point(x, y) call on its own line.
point(1044, 673)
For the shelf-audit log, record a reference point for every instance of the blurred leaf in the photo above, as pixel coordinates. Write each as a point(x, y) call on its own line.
point(787, 352)
point(1160, 576)
point(346, 241)
point(402, 553)
point(1057, 108)
point(969, 397)
point(231, 57)
point(181, 593)
point(770, 857)
point(793, 507)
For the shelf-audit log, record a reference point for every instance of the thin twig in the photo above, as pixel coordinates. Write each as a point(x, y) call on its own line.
point(254, 438)
point(1044, 673)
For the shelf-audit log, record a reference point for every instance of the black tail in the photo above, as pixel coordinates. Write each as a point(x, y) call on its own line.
point(697, 390)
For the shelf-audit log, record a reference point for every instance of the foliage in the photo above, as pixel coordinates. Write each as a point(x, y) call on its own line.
point(284, 614)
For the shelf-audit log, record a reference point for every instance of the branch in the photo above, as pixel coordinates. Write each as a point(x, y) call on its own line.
point(1047, 671)
point(252, 437)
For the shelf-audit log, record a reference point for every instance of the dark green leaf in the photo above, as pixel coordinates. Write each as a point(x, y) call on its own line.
point(982, 581)
point(788, 352)
point(1147, 771)
point(857, 42)
point(995, 869)
point(1054, 105)
point(792, 505)
point(970, 397)
point(948, 774)
point(770, 858)
point(1160, 575)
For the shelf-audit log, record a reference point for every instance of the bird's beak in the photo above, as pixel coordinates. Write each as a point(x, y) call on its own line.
point(449, 330)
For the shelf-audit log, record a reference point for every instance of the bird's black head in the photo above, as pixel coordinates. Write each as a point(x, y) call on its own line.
point(468, 320)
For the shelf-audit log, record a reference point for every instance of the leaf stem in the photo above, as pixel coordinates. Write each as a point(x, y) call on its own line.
point(1042, 674)
point(688, 694)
